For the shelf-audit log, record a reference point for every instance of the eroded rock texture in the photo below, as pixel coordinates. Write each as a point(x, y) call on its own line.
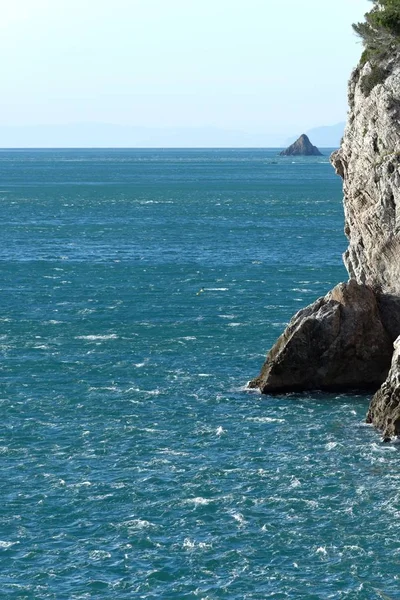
point(337, 343)
point(369, 163)
point(384, 411)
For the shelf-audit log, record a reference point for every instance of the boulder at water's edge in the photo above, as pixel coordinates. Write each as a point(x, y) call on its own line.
point(336, 343)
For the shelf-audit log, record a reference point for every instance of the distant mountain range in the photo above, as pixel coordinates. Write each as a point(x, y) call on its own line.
point(104, 135)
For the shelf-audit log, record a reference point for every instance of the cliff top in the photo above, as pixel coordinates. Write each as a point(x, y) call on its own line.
point(380, 32)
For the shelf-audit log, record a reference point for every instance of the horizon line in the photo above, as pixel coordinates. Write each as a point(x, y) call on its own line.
point(151, 147)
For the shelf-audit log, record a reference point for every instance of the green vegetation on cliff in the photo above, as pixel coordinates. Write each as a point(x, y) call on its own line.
point(380, 32)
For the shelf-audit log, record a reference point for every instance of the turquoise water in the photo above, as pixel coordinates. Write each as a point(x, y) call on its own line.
point(134, 464)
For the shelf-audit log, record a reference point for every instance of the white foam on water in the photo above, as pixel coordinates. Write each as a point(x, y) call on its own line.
point(265, 420)
point(189, 544)
point(312, 503)
point(95, 338)
point(331, 445)
point(199, 501)
point(118, 486)
point(248, 389)
point(381, 448)
point(100, 497)
point(138, 524)
point(263, 472)
point(99, 554)
point(173, 452)
point(220, 430)
point(81, 484)
point(4, 545)
point(356, 549)
point(239, 518)
point(295, 482)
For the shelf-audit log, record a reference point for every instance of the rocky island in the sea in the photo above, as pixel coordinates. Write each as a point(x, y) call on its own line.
point(345, 339)
point(301, 147)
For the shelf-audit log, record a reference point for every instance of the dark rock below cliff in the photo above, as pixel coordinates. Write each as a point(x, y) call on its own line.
point(301, 147)
point(338, 342)
point(384, 410)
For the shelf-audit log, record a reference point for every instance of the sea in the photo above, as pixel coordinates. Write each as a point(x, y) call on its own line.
point(141, 290)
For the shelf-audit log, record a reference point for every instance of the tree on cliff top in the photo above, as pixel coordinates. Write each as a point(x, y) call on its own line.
point(380, 32)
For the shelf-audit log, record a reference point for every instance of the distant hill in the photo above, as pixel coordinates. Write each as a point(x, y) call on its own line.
point(104, 135)
point(327, 136)
point(109, 135)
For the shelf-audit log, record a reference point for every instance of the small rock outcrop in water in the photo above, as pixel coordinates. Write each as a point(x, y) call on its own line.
point(342, 340)
point(336, 343)
point(301, 147)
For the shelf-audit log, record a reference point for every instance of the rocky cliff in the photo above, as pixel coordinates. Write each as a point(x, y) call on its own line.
point(369, 162)
point(350, 353)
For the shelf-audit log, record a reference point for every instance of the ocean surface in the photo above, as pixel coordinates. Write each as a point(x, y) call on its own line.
point(140, 292)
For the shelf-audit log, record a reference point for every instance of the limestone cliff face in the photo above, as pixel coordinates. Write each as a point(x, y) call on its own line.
point(369, 163)
point(345, 339)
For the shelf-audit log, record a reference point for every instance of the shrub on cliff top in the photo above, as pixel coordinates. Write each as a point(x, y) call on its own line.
point(380, 32)
point(377, 75)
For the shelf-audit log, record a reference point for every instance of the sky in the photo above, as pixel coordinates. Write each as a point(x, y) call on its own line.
point(263, 67)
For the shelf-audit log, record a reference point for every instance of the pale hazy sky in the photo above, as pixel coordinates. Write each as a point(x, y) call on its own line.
point(250, 65)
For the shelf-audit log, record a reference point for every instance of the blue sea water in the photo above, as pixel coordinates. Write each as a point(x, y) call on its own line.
point(141, 290)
